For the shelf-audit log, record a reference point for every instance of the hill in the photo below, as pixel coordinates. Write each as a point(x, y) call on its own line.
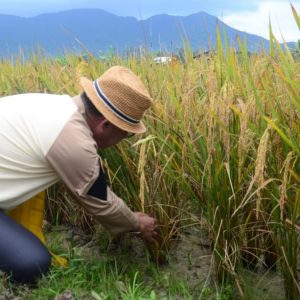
point(100, 31)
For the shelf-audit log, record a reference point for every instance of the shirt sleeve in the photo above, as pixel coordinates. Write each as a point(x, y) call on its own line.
point(74, 157)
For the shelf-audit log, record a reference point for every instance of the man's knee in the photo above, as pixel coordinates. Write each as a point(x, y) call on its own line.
point(31, 268)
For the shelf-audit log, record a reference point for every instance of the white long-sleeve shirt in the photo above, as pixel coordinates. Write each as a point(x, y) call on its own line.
point(45, 138)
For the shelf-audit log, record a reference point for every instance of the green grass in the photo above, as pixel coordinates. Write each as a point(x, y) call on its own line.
point(100, 267)
point(106, 271)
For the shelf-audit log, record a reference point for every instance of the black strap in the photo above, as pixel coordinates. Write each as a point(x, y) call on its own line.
point(99, 188)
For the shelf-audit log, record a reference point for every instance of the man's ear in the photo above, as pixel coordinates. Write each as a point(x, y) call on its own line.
point(103, 123)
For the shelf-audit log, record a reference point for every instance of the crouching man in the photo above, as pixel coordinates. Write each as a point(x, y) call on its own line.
point(45, 138)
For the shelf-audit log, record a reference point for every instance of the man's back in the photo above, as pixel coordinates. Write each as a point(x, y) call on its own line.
point(29, 124)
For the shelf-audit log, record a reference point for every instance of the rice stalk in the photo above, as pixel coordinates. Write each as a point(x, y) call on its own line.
point(285, 181)
point(260, 164)
point(141, 172)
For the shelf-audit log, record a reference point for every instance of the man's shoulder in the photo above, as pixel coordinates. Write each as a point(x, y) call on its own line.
point(77, 136)
point(74, 153)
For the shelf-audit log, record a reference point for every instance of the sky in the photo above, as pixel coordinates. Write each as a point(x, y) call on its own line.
point(251, 16)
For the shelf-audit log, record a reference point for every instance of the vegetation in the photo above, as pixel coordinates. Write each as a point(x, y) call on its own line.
point(222, 150)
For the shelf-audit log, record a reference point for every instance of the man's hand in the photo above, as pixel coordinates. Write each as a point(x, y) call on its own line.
point(147, 227)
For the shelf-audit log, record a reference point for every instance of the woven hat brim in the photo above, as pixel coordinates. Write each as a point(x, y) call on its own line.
point(89, 89)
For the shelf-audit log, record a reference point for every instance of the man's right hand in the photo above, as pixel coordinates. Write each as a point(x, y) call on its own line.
point(147, 227)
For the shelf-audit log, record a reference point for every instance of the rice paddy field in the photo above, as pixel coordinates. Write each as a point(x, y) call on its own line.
point(218, 167)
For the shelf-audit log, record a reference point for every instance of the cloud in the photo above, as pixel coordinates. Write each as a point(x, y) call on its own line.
point(283, 24)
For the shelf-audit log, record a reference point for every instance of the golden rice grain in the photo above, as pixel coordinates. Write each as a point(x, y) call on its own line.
point(260, 165)
point(285, 181)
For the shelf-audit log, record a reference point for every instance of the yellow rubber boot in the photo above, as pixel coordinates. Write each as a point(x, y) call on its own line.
point(30, 214)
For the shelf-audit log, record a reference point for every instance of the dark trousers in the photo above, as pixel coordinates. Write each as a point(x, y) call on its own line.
point(22, 254)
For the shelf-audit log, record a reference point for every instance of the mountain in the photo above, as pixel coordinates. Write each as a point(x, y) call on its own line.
point(100, 31)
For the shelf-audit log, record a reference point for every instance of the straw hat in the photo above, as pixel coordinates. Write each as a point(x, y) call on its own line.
point(120, 96)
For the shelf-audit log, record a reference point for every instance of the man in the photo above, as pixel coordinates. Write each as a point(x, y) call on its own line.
point(46, 138)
